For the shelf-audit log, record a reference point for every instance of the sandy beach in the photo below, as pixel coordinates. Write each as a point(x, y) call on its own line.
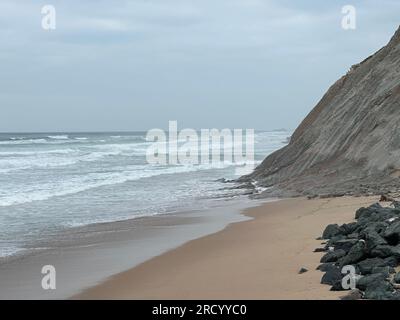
point(254, 259)
point(85, 256)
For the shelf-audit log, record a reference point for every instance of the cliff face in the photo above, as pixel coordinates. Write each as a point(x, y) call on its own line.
point(350, 142)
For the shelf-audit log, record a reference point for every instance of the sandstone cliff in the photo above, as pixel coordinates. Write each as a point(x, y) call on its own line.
point(350, 142)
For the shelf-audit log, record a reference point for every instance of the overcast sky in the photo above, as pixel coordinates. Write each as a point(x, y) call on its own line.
point(134, 65)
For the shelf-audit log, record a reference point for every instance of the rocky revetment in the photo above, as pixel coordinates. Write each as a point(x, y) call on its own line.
point(366, 251)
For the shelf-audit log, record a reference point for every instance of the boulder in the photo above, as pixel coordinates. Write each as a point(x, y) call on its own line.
point(366, 212)
point(326, 266)
point(384, 251)
point(345, 244)
point(355, 294)
point(364, 282)
point(356, 254)
point(396, 278)
point(354, 235)
point(337, 286)
point(386, 270)
point(302, 270)
point(391, 261)
point(335, 239)
point(379, 290)
point(332, 276)
point(392, 233)
point(367, 227)
point(348, 228)
point(395, 296)
point(331, 231)
point(367, 265)
point(373, 239)
point(333, 256)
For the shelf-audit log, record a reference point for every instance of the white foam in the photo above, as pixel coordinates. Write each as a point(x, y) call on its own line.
point(80, 183)
point(59, 137)
point(23, 141)
point(9, 251)
point(23, 160)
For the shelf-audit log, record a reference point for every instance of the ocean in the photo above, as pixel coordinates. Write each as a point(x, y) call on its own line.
point(51, 182)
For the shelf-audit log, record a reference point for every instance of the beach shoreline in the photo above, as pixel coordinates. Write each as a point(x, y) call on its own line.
point(253, 259)
point(86, 256)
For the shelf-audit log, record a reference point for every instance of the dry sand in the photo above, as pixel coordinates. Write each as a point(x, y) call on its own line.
point(254, 259)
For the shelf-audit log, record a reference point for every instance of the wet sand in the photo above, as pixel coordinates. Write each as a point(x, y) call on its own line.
point(255, 259)
point(84, 256)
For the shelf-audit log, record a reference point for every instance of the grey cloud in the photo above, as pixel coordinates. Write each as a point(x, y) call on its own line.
point(134, 65)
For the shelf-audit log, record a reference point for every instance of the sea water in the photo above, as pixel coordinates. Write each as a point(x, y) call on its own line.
point(50, 182)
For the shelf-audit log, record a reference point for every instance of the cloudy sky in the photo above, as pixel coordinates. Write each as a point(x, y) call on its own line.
point(134, 65)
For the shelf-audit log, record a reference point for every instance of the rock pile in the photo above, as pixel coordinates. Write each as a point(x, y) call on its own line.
point(372, 246)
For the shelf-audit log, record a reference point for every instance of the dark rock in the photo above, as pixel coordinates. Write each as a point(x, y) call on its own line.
point(223, 180)
point(352, 295)
point(331, 276)
point(386, 198)
point(392, 220)
point(360, 212)
point(356, 253)
point(395, 296)
point(333, 256)
point(367, 265)
point(320, 250)
point(386, 270)
point(396, 278)
point(366, 212)
point(373, 239)
point(372, 246)
point(326, 266)
point(366, 281)
point(354, 235)
point(337, 286)
point(247, 185)
point(335, 239)
point(392, 233)
point(348, 228)
point(379, 216)
point(396, 204)
point(302, 270)
point(345, 244)
point(384, 251)
point(365, 227)
point(391, 261)
point(331, 231)
point(379, 290)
